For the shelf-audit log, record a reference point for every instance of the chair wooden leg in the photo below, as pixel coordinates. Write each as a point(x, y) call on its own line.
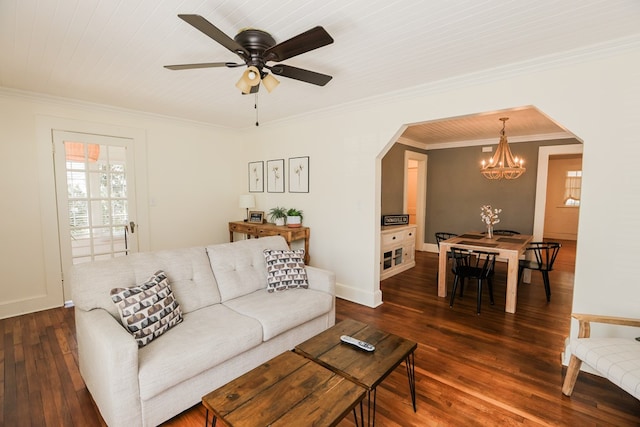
point(571, 375)
point(547, 285)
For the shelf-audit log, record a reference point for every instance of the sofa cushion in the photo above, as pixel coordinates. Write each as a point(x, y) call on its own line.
point(285, 269)
point(617, 359)
point(205, 338)
point(239, 268)
point(148, 310)
point(279, 312)
point(187, 269)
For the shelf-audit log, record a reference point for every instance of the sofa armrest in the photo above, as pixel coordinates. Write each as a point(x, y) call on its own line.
point(321, 280)
point(586, 319)
point(108, 359)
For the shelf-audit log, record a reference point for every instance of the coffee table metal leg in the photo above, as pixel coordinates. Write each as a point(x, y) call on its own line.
point(411, 374)
point(213, 421)
point(355, 415)
point(371, 408)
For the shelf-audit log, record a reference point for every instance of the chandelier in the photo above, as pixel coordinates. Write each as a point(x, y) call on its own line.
point(502, 164)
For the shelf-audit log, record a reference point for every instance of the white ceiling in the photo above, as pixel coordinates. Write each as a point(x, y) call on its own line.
point(113, 51)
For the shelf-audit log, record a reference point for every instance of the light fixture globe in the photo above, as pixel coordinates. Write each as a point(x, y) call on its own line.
point(270, 82)
point(502, 164)
point(250, 78)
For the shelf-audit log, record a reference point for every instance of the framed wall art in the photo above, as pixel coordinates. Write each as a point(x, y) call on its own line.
point(299, 174)
point(256, 177)
point(275, 176)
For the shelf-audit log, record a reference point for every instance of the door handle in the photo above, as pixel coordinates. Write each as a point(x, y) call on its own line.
point(132, 227)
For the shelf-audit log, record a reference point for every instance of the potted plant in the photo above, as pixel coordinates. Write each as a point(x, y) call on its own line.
point(294, 218)
point(277, 215)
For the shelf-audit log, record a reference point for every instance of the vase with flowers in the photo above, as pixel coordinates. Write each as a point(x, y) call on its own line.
point(489, 217)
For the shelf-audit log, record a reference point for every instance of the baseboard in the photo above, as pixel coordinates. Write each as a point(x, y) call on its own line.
point(359, 296)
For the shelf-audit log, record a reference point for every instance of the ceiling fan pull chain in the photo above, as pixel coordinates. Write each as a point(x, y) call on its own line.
point(255, 105)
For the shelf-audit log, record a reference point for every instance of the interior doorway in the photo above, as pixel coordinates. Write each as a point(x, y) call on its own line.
point(415, 192)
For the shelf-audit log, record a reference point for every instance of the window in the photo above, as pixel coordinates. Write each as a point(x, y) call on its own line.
point(572, 187)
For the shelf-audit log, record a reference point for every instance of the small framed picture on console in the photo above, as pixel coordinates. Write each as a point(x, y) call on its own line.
point(256, 216)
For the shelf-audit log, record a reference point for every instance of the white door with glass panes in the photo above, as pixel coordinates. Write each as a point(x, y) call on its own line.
point(95, 194)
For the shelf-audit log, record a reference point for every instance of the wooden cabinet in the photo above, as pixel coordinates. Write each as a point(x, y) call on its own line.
point(267, 229)
point(397, 249)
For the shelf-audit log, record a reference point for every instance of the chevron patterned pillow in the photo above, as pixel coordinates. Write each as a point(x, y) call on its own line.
point(148, 310)
point(285, 270)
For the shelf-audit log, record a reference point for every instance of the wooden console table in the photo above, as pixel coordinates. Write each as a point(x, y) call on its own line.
point(252, 229)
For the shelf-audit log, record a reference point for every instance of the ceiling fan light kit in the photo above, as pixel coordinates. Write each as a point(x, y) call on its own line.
point(256, 48)
point(249, 79)
point(270, 82)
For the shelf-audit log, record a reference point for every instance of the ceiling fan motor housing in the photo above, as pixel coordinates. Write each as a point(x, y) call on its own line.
point(256, 42)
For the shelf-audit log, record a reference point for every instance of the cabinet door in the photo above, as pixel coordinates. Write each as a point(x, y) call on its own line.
point(387, 260)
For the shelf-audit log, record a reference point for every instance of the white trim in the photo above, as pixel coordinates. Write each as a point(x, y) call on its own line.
point(45, 125)
point(494, 141)
point(359, 296)
point(541, 184)
point(421, 196)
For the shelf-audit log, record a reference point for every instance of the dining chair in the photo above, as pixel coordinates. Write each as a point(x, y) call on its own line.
point(476, 265)
point(545, 254)
point(441, 236)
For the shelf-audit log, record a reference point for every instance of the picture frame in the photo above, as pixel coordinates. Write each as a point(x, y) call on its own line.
point(299, 174)
point(256, 217)
point(256, 177)
point(275, 176)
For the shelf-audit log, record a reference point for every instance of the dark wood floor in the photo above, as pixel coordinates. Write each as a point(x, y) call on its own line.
point(492, 369)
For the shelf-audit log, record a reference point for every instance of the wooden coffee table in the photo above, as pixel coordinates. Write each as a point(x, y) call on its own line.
point(287, 390)
point(365, 368)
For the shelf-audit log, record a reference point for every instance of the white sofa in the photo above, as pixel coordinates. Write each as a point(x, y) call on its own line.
point(231, 324)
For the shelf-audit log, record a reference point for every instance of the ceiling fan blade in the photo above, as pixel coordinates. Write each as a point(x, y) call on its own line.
point(304, 42)
point(203, 65)
point(212, 31)
point(300, 74)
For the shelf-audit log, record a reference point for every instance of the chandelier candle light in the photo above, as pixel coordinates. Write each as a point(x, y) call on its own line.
point(503, 164)
point(489, 217)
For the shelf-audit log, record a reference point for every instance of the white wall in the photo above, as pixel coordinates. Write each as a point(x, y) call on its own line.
point(191, 172)
point(596, 98)
point(560, 221)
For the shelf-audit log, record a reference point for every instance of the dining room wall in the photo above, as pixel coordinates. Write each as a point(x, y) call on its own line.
point(560, 221)
point(456, 190)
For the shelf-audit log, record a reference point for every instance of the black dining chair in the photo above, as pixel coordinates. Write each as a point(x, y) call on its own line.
point(476, 265)
point(441, 236)
point(545, 254)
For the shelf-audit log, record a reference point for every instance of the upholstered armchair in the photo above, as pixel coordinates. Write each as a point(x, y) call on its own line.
point(617, 359)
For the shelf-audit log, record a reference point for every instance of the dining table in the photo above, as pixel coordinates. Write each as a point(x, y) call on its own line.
point(510, 248)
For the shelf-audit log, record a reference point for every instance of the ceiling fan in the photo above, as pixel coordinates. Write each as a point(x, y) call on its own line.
point(256, 48)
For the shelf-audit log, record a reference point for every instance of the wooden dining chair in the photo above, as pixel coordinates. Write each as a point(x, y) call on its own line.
point(476, 265)
point(545, 254)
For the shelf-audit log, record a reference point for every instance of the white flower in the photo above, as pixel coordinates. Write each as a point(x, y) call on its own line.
point(489, 215)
